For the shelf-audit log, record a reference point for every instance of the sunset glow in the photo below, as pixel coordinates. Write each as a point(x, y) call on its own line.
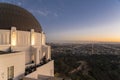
point(96, 20)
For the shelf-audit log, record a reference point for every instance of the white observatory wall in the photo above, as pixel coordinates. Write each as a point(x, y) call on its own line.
point(46, 51)
point(43, 53)
point(24, 43)
point(4, 37)
point(43, 39)
point(4, 40)
point(46, 69)
point(23, 38)
point(37, 47)
point(37, 39)
point(12, 59)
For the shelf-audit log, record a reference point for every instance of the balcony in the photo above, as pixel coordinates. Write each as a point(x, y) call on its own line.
point(46, 69)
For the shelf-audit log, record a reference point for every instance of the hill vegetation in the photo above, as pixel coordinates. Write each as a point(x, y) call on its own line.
point(87, 67)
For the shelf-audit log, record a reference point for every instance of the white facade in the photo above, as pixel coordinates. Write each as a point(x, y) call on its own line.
point(32, 49)
point(17, 60)
point(4, 37)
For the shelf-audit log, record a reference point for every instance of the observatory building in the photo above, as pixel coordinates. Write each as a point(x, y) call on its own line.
point(23, 50)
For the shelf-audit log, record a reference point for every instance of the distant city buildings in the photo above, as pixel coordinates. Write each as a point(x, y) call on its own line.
point(86, 49)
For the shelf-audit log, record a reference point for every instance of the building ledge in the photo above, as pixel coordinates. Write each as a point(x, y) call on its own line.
point(45, 69)
point(8, 52)
point(32, 67)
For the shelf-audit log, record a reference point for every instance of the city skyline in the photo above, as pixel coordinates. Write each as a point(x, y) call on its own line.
point(80, 20)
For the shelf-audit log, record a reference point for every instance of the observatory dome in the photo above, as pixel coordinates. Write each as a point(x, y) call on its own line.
point(12, 15)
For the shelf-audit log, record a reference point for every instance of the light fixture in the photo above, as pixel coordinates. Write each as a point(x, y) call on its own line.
point(13, 36)
point(32, 37)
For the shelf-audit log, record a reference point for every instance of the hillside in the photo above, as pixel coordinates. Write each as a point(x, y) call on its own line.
point(86, 67)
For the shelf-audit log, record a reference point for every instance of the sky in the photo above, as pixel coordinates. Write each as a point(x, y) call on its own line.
point(76, 20)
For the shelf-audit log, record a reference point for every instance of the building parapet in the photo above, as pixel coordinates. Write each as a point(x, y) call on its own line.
point(46, 70)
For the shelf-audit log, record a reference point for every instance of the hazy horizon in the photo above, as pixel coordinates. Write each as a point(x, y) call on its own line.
point(83, 42)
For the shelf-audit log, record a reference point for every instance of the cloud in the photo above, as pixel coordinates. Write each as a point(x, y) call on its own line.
point(55, 14)
point(19, 3)
point(41, 12)
point(12, 2)
point(44, 13)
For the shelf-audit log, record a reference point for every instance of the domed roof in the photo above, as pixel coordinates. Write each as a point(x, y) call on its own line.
point(12, 15)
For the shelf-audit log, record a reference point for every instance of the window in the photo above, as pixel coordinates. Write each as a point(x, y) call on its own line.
point(10, 72)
